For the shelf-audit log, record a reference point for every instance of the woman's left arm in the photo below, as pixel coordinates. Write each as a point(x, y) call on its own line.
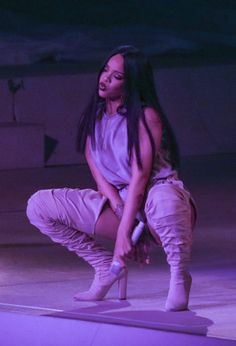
point(138, 183)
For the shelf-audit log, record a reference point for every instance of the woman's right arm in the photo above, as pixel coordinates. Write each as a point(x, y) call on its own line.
point(107, 189)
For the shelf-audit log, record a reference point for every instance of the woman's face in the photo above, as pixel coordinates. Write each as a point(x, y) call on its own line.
point(111, 81)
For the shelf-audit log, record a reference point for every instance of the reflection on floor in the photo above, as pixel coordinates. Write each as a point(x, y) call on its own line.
point(38, 278)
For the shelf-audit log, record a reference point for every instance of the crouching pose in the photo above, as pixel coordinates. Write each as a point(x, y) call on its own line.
point(133, 156)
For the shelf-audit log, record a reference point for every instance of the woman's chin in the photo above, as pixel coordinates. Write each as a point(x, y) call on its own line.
point(102, 94)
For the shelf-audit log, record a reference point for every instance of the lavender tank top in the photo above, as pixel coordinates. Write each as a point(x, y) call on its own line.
point(110, 154)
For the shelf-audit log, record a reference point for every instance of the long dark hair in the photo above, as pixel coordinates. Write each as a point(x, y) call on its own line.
point(139, 92)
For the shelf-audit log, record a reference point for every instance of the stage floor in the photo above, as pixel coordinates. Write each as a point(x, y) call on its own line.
point(41, 280)
point(38, 279)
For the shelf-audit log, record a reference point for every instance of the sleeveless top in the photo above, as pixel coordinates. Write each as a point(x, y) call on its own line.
point(110, 153)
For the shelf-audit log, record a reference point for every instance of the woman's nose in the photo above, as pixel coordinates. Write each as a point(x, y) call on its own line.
point(107, 78)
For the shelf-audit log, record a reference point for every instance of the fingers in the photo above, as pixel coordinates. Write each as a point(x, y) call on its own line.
point(132, 254)
point(138, 253)
point(121, 255)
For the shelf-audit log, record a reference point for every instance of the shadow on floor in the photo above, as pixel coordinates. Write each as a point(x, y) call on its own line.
point(108, 312)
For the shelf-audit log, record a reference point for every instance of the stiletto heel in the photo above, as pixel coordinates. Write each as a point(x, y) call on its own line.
point(122, 276)
point(101, 286)
point(122, 286)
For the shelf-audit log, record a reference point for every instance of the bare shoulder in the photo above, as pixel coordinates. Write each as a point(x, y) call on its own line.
point(152, 117)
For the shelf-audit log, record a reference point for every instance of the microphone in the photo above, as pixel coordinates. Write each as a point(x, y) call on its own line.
point(137, 232)
point(116, 266)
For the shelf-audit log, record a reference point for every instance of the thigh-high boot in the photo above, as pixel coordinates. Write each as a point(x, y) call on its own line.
point(169, 212)
point(46, 211)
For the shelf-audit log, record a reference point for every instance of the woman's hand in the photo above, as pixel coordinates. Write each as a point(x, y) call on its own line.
point(123, 248)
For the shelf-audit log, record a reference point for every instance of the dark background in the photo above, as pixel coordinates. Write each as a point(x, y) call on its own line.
point(203, 28)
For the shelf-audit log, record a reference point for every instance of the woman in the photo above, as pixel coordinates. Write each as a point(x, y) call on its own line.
point(133, 157)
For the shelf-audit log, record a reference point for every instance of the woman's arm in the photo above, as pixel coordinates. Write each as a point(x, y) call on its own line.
point(107, 189)
point(138, 183)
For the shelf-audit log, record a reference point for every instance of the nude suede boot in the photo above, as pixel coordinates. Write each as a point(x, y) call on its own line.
point(177, 245)
point(100, 259)
point(81, 243)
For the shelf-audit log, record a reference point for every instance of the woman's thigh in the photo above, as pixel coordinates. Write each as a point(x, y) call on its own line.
point(74, 208)
point(107, 223)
